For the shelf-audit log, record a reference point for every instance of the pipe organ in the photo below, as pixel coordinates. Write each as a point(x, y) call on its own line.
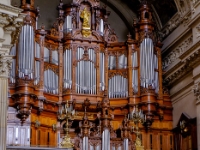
point(81, 58)
point(26, 52)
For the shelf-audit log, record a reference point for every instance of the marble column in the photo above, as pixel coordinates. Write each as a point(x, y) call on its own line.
point(5, 65)
point(10, 24)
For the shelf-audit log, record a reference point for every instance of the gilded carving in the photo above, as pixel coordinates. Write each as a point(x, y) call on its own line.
point(114, 73)
point(52, 67)
point(150, 89)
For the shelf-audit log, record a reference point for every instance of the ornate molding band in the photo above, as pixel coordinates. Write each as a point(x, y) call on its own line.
point(179, 50)
point(10, 9)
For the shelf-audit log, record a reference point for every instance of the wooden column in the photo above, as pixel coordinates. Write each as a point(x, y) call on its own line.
point(60, 51)
point(130, 89)
point(97, 71)
point(93, 18)
point(106, 70)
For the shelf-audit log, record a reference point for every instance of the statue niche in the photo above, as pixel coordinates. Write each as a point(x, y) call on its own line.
point(85, 16)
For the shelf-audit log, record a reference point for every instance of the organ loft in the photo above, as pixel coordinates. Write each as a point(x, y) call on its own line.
point(76, 86)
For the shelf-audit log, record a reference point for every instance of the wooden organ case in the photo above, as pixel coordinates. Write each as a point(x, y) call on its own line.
point(80, 59)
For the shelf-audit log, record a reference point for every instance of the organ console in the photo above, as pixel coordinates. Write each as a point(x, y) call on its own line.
point(81, 58)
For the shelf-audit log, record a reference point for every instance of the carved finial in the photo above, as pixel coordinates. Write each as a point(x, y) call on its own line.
point(42, 27)
point(129, 36)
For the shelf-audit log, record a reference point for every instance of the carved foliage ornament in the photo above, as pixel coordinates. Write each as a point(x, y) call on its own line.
point(52, 67)
point(112, 74)
point(5, 65)
point(196, 90)
point(11, 24)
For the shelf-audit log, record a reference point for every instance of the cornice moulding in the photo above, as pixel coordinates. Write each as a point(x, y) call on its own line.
point(10, 10)
point(176, 39)
point(188, 57)
point(193, 20)
point(180, 95)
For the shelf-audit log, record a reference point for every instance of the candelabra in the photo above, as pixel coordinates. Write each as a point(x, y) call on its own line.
point(66, 113)
point(137, 117)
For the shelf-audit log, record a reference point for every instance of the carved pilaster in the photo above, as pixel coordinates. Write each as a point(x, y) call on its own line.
point(196, 90)
point(5, 65)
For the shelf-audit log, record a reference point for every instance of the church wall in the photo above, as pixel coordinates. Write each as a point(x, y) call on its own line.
point(182, 67)
point(186, 103)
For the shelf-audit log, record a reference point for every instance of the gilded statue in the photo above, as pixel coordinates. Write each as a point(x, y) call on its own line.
point(85, 15)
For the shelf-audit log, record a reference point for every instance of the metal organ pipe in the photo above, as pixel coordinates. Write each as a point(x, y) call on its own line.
point(37, 72)
point(102, 73)
point(122, 62)
point(67, 26)
point(46, 55)
point(135, 72)
point(55, 57)
point(13, 66)
point(50, 82)
point(156, 84)
point(26, 52)
point(112, 62)
point(86, 73)
point(147, 75)
point(37, 64)
point(101, 27)
point(118, 87)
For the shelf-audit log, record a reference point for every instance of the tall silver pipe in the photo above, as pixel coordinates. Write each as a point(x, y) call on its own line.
point(70, 68)
point(117, 86)
point(91, 78)
point(95, 81)
point(23, 48)
point(65, 69)
point(28, 47)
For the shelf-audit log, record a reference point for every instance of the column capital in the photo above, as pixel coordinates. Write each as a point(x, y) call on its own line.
point(5, 65)
point(11, 25)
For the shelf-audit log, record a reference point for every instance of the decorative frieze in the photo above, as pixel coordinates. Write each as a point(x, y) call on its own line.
point(10, 9)
point(177, 52)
